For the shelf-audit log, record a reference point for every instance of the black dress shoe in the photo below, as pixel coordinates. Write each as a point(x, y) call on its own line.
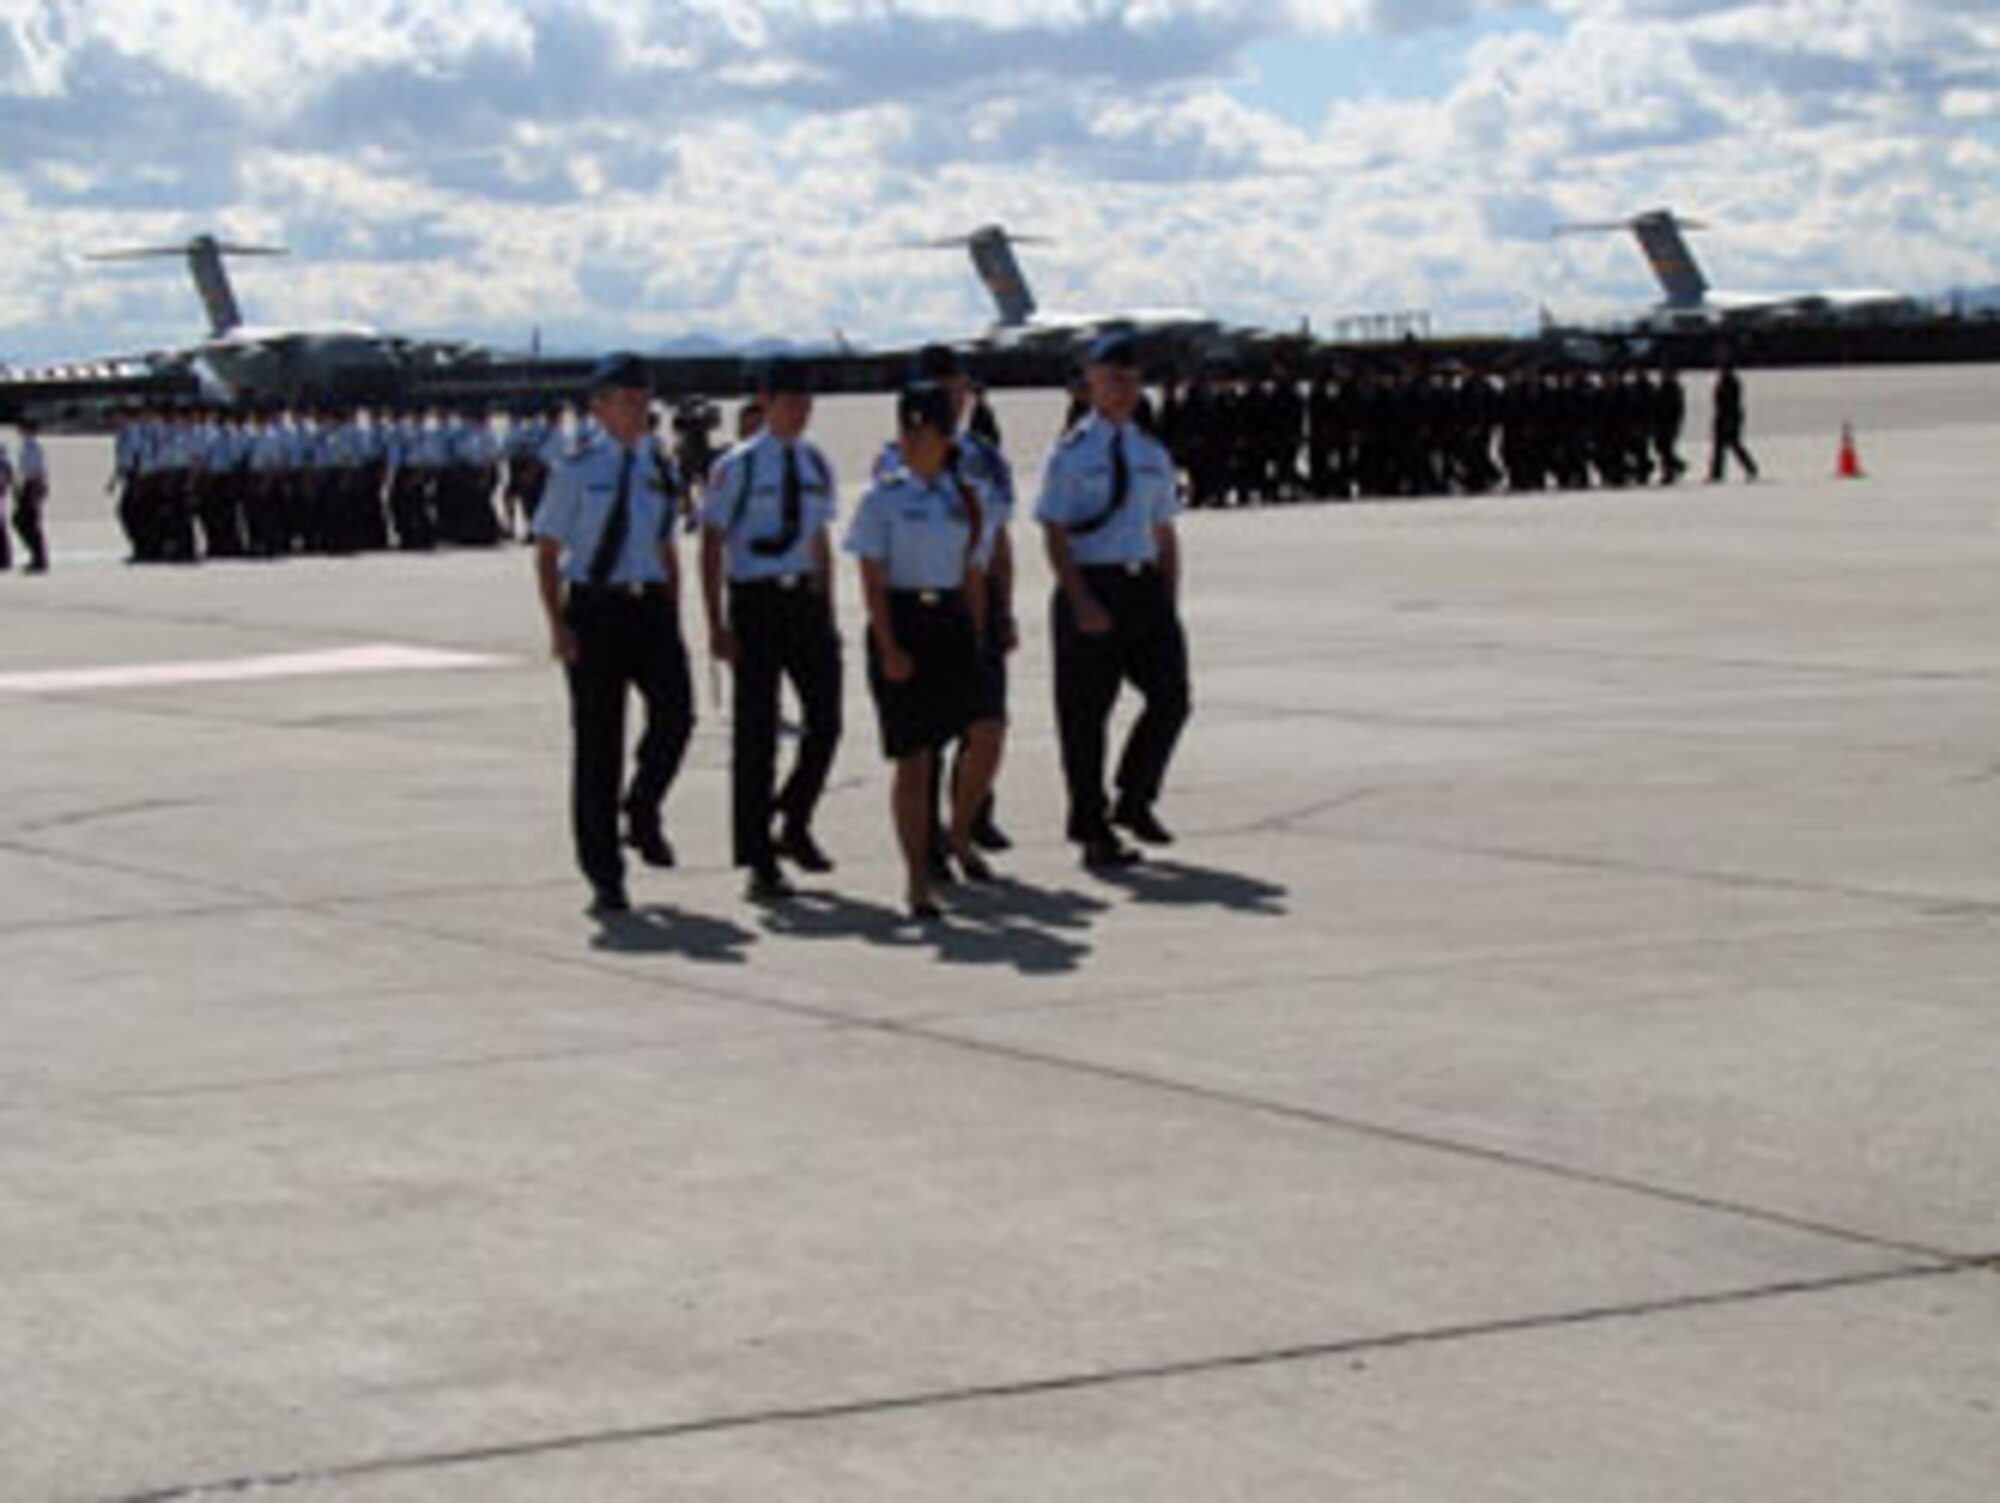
point(1107, 853)
point(799, 848)
point(974, 866)
point(1143, 823)
point(938, 868)
point(988, 836)
point(609, 897)
point(768, 884)
point(651, 843)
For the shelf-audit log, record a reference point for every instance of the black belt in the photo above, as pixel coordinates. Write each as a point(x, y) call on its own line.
point(625, 589)
point(1132, 569)
point(774, 582)
point(928, 598)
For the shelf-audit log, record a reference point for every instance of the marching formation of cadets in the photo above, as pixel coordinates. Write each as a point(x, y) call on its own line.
point(220, 483)
point(1389, 433)
point(198, 484)
point(201, 483)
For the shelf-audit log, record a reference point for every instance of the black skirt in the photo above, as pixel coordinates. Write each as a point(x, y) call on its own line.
point(933, 706)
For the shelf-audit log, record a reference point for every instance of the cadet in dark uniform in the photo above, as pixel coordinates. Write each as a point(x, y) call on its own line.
point(921, 539)
point(1107, 511)
point(764, 517)
point(610, 585)
point(1728, 430)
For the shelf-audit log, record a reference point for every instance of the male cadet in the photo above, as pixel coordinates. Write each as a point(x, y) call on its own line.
point(1107, 512)
point(1726, 436)
point(31, 491)
point(765, 516)
point(610, 587)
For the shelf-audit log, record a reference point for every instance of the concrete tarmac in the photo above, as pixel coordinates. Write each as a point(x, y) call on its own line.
point(1557, 1062)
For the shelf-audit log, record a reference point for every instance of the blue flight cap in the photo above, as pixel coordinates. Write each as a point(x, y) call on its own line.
point(785, 374)
point(1114, 347)
point(925, 404)
point(622, 369)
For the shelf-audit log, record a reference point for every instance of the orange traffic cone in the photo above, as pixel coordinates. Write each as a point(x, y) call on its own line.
point(1849, 465)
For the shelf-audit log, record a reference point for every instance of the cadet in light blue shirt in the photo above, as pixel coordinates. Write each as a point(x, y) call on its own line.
point(764, 536)
point(609, 586)
point(1107, 512)
point(980, 464)
point(918, 535)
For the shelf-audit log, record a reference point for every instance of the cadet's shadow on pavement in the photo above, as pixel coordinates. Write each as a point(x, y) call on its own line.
point(658, 930)
point(1001, 923)
point(1176, 882)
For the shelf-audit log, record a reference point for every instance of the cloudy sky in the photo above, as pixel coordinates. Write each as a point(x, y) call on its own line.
point(633, 170)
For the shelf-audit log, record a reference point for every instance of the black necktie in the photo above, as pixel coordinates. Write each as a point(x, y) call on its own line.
point(1121, 485)
point(611, 541)
point(792, 519)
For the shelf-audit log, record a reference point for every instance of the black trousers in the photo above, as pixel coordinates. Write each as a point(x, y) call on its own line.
point(624, 641)
point(411, 509)
point(1728, 440)
point(780, 634)
point(1145, 648)
point(216, 510)
point(28, 523)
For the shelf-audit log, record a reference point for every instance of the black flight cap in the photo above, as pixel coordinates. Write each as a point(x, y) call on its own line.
point(785, 375)
point(924, 404)
point(624, 370)
point(938, 362)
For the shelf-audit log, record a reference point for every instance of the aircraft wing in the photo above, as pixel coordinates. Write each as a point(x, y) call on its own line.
point(72, 390)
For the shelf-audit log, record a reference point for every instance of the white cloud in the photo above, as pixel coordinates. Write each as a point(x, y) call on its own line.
point(608, 166)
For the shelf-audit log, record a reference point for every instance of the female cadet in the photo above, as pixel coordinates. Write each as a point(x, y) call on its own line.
point(918, 534)
point(977, 461)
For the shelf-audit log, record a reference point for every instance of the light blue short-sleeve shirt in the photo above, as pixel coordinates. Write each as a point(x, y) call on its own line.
point(1076, 487)
point(745, 502)
point(576, 507)
point(918, 530)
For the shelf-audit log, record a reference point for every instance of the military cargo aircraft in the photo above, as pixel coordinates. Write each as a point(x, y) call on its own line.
point(1689, 302)
point(1021, 320)
point(237, 362)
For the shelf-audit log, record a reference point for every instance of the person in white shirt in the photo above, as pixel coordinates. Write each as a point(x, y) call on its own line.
point(31, 494)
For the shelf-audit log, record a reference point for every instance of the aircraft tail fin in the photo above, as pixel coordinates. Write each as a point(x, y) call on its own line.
point(1658, 232)
point(992, 250)
point(993, 258)
point(205, 255)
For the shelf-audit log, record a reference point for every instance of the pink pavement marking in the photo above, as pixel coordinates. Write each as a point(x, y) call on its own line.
point(381, 657)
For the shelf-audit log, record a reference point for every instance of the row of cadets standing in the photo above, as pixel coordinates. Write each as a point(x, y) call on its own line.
point(27, 483)
point(609, 580)
point(767, 589)
point(220, 485)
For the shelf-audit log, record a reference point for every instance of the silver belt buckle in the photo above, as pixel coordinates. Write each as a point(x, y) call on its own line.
point(1136, 567)
point(930, 597)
